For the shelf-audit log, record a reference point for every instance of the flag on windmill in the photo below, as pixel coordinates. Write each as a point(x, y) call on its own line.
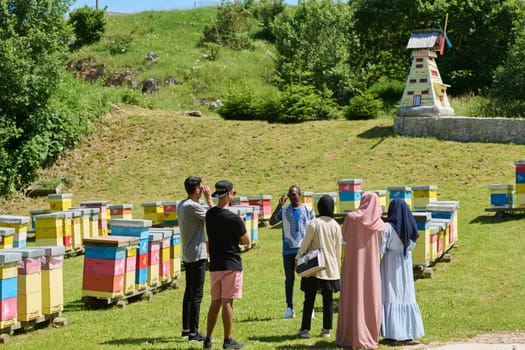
point(444, 38)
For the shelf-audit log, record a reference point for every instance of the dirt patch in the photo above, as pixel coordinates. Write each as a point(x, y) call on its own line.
point(499, 338)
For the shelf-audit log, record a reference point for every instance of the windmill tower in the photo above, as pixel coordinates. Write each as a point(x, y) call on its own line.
point(425, 94)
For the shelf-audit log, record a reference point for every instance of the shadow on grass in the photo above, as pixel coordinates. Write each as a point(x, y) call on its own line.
point(138, 341)
point(382, 132)
point(76, 305)
point(495, 219)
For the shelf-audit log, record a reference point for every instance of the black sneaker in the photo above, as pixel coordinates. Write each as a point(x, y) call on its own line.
point(232, 344)
point(207, 343)
point(196, 337)
point(185, 334)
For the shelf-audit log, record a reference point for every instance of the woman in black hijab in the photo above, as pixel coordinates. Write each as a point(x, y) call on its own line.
point(325, 233)
point(401, 315)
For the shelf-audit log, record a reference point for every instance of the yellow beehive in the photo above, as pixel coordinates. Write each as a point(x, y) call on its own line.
point(20, 224)
point(59, 202)
point(49, 230)
point(154, 211)
point(421, 255)
point(307, 198)
point(317, 196)
point(422, 195)
point(76, 229)
point(6, 237)
point(52, 280)
point(382, 199)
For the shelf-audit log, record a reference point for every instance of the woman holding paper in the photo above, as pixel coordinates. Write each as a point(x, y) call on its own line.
point(325, 233)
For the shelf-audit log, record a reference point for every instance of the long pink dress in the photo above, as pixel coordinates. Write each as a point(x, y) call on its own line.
point(359, 315)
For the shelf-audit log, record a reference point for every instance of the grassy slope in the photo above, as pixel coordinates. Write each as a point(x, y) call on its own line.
point(141, 155)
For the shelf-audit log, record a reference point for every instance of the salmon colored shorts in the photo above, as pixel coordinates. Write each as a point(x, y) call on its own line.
point(226, 284)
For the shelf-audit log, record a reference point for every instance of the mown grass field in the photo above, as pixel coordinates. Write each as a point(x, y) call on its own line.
point(142, 155)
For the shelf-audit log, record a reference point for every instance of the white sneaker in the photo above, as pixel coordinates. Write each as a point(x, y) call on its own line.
point(313, 314)
point(325, 333)
point(289, 313)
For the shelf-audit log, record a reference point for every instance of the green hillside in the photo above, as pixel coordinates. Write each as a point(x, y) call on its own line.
point(138, 155)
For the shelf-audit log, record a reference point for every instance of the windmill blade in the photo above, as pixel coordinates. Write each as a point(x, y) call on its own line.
point(449, 43)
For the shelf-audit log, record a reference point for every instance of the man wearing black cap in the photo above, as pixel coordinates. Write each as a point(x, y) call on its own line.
point(226, 231)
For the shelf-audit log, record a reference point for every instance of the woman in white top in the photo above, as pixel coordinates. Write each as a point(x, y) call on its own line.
point(323, 232)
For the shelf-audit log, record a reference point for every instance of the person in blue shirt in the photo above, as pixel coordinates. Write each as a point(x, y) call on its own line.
point(295, 218)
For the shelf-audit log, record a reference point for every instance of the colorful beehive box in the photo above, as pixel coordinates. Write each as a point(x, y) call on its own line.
point(94, 213)
point(102, 206)
point(382, 199)
point(264, 202)
point(29, 298)
point(67, 220)
point(307, 198)
point(441, 236)
point(349, 185)
point(20, 224)
point(121, 211)
point(422, 195)
point(85, 227)
point(401, 192)
point(240, 201)
point(9, 288)
point(131, 266)
point(52, 280)
point(421, 255)
point(447, 210)
point(501, 196)
point(49, 230)
point(254, 230)
point(170, 213)
point(60, 202)
point(104, 266)
point(349, 194)
point(139, 229)
point(33, 213)
point(6, 237)
point(154, 252)
point(349, 201)
point(318, 195)
point(176, 254)
point(434, 230)
point(244, 214)
point(154, 211)
point(165, 253)
point(76, 228)
point(519, 197)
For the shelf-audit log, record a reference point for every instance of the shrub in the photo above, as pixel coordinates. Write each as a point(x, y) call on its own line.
point(363, 106)
point(304, 103)
point(389, 91)
point(118, 44)
point(88, 25)
point(230, 27)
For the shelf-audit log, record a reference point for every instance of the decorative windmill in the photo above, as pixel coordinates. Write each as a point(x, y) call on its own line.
point(425, 93)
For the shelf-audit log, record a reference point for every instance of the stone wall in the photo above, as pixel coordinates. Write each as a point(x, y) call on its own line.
point(465, 129)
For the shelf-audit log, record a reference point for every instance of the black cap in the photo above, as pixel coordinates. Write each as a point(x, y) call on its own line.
point(222, 188)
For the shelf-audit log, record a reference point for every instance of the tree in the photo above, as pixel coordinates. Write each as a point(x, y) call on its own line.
point(88, 24)
point(33, 34)
point(315, 44)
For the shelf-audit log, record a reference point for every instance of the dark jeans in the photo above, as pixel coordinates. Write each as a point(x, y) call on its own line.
point(289, 274)
point(191, 303)
point(308, 307)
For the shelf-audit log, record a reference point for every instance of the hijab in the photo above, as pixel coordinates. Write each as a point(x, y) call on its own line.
point(370, 212)
point(401, 218)
point(325, 206)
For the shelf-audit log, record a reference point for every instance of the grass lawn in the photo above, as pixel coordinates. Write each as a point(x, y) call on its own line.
point(142, 155)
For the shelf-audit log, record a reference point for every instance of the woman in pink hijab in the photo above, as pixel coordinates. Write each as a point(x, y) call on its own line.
point(359, 319)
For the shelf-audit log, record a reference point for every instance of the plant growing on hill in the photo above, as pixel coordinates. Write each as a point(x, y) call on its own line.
point(230, 28)
point(88, 25)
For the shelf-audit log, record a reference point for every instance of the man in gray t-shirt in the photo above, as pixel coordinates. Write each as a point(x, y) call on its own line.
point(191, 216)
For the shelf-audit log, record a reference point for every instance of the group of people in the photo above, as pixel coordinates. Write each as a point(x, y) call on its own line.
point(377, 296)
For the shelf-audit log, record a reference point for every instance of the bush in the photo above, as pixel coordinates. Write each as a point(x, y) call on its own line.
point(118, 44)
point(304, 103)
point(230, 28)
point(88, 25)
point(265, 12)
point(389, 91)
point(362, 107)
